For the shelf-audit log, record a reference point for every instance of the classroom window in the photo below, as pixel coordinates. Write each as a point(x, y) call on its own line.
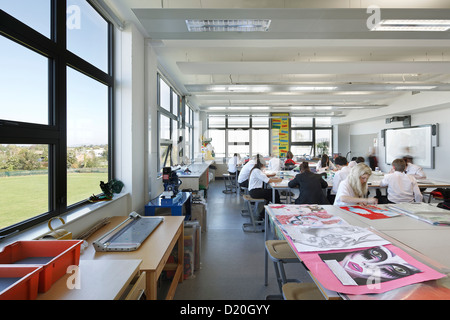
point(217, 122)
point(164, 95)
point(55, 110)
point(87, 33)
point(260, 142)
point(238, 142)
point(303, 122)
point(87, 135)
point(34, 13)
point(260, 122)
point(238, 122)
point(301, 135)
point(218, 141)
point(323, 141)
point(24, 92)
point(23, 181)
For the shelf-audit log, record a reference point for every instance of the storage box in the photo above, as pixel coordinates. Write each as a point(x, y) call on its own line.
point(198, 213)
point(53, 255)
point(19, 282)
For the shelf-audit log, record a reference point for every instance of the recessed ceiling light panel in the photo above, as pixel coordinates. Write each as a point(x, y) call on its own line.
point(218, 25)
point(412, 25)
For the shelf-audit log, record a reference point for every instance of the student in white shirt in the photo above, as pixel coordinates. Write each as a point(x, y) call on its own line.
point(353, 190)
point(414, 169)
point(245, 171)
point(256, 181)
point(339, 176)
point(274, 164)
point(233, 163)
point(401, 187)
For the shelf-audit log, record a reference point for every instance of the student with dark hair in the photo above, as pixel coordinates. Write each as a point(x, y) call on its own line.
point(311, 186)
point(325, 164)
point(289, 162)
point(256, 181)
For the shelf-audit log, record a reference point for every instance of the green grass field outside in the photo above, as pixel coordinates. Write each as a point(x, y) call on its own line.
point(23, 197)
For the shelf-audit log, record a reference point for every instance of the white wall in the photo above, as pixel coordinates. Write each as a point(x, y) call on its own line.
point(130, 120)
point(424, 108)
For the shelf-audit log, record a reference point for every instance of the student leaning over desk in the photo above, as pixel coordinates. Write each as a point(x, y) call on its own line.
point(353, 190)
point(310, 185)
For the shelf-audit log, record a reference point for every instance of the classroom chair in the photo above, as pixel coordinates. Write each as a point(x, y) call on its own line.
point(301, 291)
point(252, 206)
point(280, 253)
point(230, 183)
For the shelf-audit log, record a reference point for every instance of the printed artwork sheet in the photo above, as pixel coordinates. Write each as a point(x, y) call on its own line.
point(367, 270)
point(371, 212)
point(312, 216)
point(332, 238)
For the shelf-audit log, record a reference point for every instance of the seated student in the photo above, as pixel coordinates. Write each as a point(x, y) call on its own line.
point(274, 164)
point(245, 171)
point(233, 163)
point(325, 164)
point(289, 162)
point(339, 176)
point(401, 187)
point(256, 181)
point(353, 190)
point(413, 169)
point(310, 185)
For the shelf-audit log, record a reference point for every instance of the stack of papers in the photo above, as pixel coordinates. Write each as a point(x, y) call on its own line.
point(425, 212)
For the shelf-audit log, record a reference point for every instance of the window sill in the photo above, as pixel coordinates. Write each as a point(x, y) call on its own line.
point(41, 229)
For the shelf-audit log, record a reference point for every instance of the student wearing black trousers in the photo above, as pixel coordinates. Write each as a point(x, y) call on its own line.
point(256, 183)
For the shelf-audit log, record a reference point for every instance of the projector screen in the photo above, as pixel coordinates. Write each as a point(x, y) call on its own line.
point(413, 141)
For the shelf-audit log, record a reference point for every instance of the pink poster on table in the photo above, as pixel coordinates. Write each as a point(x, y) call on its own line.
point(367, 270)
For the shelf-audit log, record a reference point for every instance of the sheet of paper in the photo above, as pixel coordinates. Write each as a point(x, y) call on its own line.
point(332, 238)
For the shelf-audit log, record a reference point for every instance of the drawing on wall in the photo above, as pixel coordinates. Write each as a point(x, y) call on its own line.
point(371, 212)
point(332, 238)
point(371, 265)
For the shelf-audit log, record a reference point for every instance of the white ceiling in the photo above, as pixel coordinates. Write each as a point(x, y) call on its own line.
point(310, 47)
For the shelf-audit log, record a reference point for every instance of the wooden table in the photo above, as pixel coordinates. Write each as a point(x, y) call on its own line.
point(98, 280)
point(154, 252)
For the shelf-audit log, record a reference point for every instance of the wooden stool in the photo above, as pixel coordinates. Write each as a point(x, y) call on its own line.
point(301, 291)
point(252, 205)
point(280, 253)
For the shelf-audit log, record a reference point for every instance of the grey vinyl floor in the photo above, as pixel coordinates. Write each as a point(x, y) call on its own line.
point(232, 261)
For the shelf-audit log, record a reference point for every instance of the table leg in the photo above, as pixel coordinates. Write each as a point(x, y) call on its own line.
point(266, 236)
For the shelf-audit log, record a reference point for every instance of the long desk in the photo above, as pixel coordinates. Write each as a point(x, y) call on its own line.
point(425, 242)
point(154, 252)
point(373, 182)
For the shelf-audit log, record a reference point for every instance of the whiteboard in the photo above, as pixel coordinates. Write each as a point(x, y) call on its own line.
point(413, 141)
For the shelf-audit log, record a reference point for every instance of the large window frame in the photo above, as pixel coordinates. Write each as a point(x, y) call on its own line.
point(221, 122)
point(54, 133)
point(181, 124)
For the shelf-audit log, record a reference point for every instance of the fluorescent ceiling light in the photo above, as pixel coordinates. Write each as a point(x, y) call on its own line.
point(244, 25)
point(412, 25)
point(414, 87)
point(313, 88)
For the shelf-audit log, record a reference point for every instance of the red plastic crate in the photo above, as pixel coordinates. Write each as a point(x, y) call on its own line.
point(53, 255)
point(19, 282)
